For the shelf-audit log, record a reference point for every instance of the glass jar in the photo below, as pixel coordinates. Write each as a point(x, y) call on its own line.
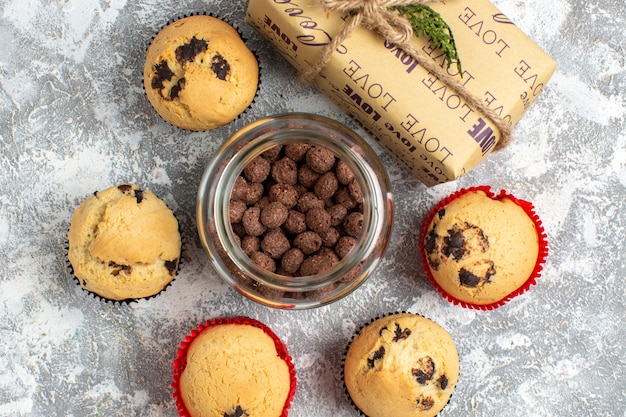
point(220, 241)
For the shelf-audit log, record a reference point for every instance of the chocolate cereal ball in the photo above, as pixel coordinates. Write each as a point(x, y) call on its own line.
point(315, 264)
point(309, 201)
point(285, 171)
point(344, 246)
point(344, 173)
point(326, 186)
point(263, 261)
point(251, 221)
point(257, 170)
point(307, 177)
point(296, 151)
point(308, 242)
point(343, 197)
point(355, 191)
point(250, 244)
point(353, 224)
point(274, 214)
point(320, 159)
point(236, 208)
point(284, 193)
point(295, 223)
point(253, 192)
point(262, 202)
point(330, 255)
point(337, 213)
point(318, 220)
point(240, 189)
point(275, 244)
point(272, 153)
point(330, 237)
point(291, 261)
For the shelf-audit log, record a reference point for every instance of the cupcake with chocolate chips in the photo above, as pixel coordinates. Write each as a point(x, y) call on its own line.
point(124, 244)
point(199, 74)
point(401, 365)
point(233, 367)
point(480, 249)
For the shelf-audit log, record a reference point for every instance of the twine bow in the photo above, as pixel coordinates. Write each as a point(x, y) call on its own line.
point(376, 16)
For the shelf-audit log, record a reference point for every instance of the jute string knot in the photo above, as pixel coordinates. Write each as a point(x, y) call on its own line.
point(376, 16)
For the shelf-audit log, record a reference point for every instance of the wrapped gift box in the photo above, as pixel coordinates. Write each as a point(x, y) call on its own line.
point(426, 125)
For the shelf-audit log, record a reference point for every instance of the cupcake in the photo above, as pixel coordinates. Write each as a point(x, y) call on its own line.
point(199, 74)
point(124, 244)
point(401, 365)
point(481, 250)
point(233, 367)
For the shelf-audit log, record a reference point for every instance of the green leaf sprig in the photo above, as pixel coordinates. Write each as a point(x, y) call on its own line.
point(428, 22)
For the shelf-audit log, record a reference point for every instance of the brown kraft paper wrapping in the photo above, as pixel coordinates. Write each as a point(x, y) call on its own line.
point(424, 124)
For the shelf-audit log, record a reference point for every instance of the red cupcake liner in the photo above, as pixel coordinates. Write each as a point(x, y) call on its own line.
point(180, 363)
point(541, 236)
